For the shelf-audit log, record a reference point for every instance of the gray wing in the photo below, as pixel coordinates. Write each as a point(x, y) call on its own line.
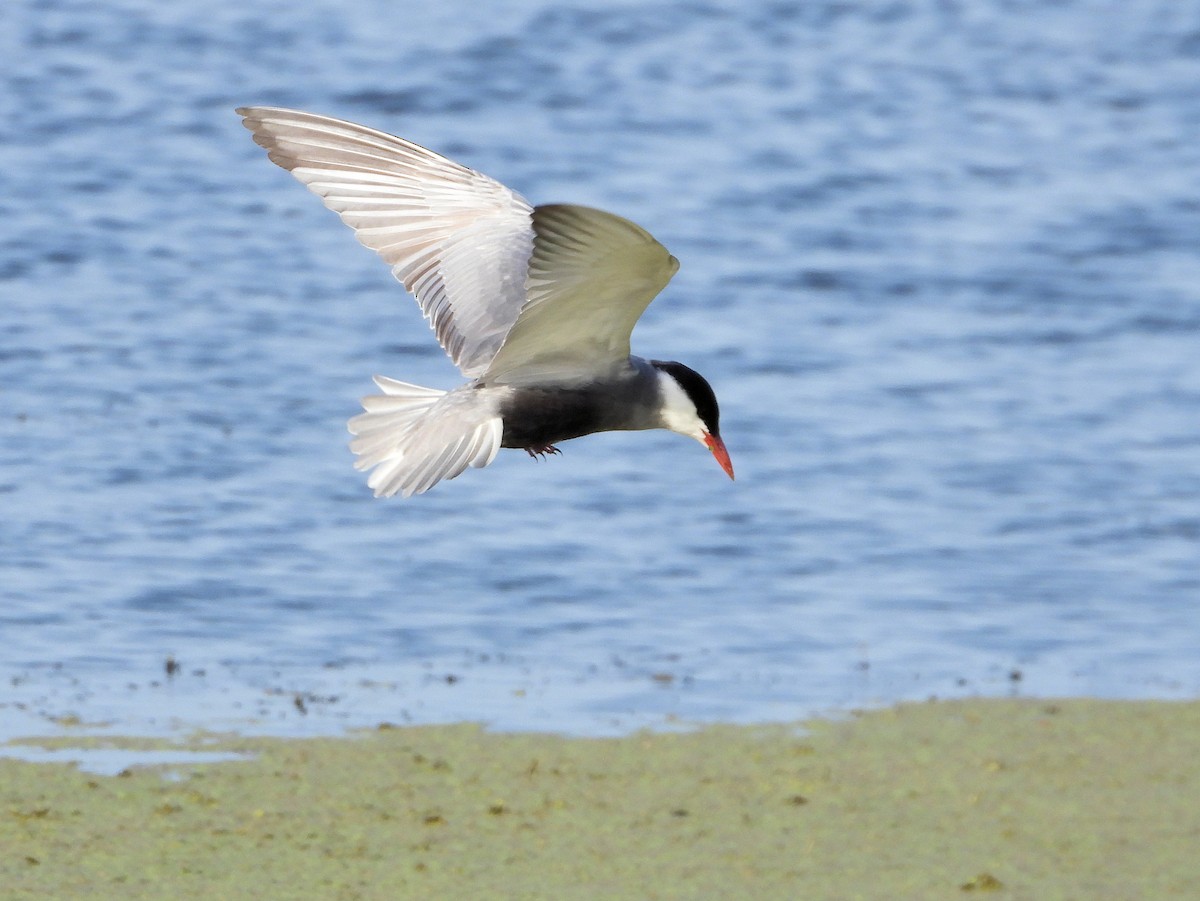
point(459, 241)
point(591, 277)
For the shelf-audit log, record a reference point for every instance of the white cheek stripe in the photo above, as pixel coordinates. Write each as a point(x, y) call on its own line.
point(679, 413)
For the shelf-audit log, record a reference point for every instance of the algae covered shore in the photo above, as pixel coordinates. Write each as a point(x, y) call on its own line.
point(1070, 799)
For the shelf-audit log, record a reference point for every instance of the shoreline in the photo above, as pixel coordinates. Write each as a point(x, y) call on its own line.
point(1011, 798)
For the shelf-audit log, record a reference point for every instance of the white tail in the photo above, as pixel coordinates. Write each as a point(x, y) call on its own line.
point(414, 437)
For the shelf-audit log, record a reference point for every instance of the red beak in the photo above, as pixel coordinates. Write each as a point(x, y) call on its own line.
point(717, 446)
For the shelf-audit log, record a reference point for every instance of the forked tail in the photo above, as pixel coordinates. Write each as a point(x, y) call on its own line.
point(414, 437)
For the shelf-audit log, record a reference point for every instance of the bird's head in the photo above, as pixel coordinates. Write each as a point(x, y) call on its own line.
point(689, 407)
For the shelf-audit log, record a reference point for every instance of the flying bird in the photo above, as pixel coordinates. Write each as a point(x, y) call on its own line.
point(534, 305)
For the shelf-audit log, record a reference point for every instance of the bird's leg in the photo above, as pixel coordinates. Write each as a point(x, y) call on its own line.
point(540, 451)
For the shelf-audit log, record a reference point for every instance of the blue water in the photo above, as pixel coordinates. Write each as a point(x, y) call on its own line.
point(941, 262)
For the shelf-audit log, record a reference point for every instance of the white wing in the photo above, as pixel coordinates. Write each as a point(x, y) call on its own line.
point(459, 241)
point(591, 277)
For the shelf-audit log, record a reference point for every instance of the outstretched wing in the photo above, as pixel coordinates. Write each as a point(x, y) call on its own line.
point(591, 277)
point(459, 241)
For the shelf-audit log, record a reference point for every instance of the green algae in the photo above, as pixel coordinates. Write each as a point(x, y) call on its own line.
point(1004, 799)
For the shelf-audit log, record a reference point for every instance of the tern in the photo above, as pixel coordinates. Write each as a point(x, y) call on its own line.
point(534, 305)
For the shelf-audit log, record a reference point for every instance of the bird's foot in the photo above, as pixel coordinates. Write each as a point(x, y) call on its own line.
point(540, 452)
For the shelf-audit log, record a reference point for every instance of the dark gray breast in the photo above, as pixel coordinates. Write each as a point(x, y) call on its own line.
point(540, 415)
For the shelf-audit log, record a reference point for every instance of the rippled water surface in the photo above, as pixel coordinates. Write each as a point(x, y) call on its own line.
point(941, 262)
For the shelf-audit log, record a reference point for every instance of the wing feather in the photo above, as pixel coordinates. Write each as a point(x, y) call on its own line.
point(458, 240)
point(591, 276)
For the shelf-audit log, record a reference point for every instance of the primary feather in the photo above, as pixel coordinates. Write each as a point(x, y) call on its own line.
point(458, 240)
